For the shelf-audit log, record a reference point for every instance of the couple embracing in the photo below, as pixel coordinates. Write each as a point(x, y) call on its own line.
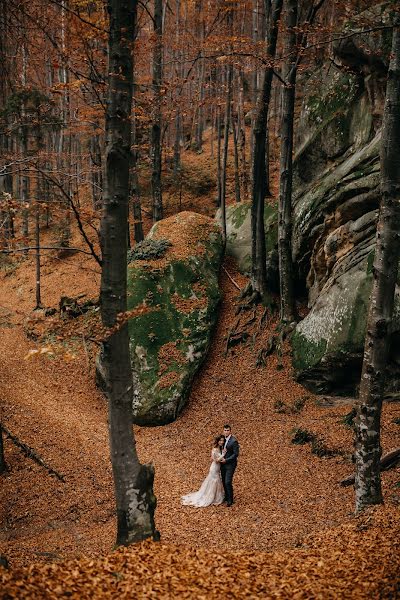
point(217, 486)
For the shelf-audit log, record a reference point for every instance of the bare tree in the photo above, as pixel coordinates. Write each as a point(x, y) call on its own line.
point(288, 304)
point(258, 269)
point(133, 482)
point(368, 421)
point(156, 125)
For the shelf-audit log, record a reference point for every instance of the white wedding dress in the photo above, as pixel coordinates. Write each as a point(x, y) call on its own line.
point(212, 490)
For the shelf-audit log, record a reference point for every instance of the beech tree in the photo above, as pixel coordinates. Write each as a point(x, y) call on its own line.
point(385, 269)
point(288, 304)
point(295, 45)
point(133, 482)
point(156, 125)
point(258, 268)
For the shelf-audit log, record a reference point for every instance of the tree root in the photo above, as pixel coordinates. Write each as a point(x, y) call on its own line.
point(262, 355)
point(250, 297)
point(237, 286)
point(234, 338)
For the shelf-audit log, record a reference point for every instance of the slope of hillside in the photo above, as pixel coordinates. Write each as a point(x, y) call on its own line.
point(283, 491)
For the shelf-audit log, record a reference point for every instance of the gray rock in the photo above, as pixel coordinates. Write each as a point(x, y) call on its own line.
point(238, 242)
point(336, 197)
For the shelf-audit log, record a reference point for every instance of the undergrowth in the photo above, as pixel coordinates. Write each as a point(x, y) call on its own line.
point(302, 436)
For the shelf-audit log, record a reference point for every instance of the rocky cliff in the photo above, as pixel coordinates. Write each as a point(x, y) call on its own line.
point(336, 203)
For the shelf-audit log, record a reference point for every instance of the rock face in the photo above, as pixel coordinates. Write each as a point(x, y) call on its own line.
point(335, 211)
point(173, 294)
point(238, 242)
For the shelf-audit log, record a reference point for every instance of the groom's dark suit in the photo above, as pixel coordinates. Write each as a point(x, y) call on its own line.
point(229, 466)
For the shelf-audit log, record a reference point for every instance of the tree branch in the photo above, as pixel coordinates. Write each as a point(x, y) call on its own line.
point(30, 453)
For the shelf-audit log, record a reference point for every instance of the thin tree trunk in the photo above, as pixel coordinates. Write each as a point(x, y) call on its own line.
point(133, 482)
point(65, 141)
point(244, 175)
point(96, 170)
point(178, 118)
point(199, 27)
point(288, 304)
point(254, 79)
point(225, 153)
point(156, 126)
point(368, 446)
point(37, 242)
point(258, 271)
point(236, 156)
point(219, 178)
point(212, 133)
point(3, 464)
point(24, 148)
point(134, 185)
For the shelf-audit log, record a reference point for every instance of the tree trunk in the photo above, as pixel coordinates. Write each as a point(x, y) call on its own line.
point(199, 122)
point(225, 152)
point(24, 149)
point(288, 304)
point(219, 178)
point(254, 79)
point(3, 464)
point(96, 169)
point(134, 179)
point(236, 156)
point(367, 447)
point(65, 140)
point(156, 126)
point(258, 271)
point(37, 242)
point(133, 482)
point(244, 175)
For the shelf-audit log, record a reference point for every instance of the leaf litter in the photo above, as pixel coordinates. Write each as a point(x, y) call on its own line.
point(291, 532)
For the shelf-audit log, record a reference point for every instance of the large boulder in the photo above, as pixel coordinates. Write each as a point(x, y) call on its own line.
point(238, 238)
point(335, 207)
point(173, 296)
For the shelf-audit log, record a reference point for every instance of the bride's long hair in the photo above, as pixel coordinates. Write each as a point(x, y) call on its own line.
point(216, 441)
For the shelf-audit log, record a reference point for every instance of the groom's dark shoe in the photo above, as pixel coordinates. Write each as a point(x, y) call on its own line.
point(229, 503)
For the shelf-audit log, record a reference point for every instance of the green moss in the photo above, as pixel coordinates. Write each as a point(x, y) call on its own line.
point(359, 314)
point(306, 353)
point(340, 94)
point(370, 262)
point(238, 213)
point(271, 227)
point(167, 320)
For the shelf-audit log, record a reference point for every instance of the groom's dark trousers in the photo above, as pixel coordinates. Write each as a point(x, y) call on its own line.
point(228, 467)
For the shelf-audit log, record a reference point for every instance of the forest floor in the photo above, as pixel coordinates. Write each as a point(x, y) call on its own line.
point(288, 501)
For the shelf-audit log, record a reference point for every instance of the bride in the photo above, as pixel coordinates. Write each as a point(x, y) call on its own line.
point(212, 490)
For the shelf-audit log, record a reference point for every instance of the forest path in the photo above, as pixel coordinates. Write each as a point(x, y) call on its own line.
point(282, 491)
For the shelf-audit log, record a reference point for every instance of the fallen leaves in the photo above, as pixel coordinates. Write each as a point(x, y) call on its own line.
point(342, 563)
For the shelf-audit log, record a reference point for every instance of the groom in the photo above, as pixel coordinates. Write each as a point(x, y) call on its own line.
point(228, 463)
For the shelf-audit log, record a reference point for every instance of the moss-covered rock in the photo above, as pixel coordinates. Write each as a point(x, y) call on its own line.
point(238, 242)
point(173, 300)
point(335, 202)
point(328, 344)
